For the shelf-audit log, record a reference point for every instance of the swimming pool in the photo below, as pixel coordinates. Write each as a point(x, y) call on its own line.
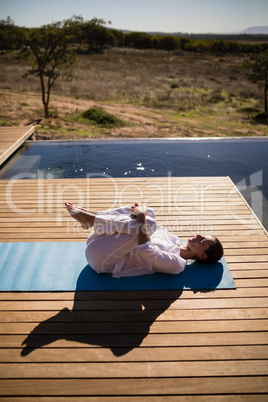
point(244, 160)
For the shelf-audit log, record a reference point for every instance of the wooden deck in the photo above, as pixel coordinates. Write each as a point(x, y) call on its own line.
point(148, 346)
point(11, 138)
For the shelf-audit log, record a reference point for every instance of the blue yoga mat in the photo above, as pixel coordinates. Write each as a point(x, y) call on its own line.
point(61, 266)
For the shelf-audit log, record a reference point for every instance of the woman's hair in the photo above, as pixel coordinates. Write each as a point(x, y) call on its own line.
point(214, 252)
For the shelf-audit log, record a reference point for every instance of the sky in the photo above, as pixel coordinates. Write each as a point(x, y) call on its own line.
point(186, 16)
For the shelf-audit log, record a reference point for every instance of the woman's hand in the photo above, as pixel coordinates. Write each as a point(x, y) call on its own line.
point(137, 209)
point(138, 212)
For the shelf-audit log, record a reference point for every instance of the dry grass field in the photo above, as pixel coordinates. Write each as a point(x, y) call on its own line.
point(155, 93)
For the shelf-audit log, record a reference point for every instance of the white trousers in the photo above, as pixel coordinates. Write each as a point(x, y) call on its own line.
point(114, 236)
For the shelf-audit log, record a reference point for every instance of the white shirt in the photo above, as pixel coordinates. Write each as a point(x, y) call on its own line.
point(115, 228)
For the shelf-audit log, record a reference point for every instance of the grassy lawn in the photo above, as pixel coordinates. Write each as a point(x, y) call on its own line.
point(153, 93)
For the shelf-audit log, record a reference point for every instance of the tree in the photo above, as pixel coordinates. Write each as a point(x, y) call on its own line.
point(53, 55)
point(168, 42)
point(219, 47)
point(96, 35)
point(9, 35)
point(138, 40)
point(258, 66)
point(119, 37)
point(183, 42)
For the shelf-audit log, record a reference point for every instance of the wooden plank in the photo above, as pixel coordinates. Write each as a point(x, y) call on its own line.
point(158, 398)
point(141, 386)
point(49, 221)
point(106, 316)
point(92, 354)
point(132, 305)
point(51, 229)
point(164, 354)
point(74, 235)
point(134, 370)
point(139, 296)
point(261, 273)
point(133, 341)
point(136, 327)
point(18, 136)
point(78, 236)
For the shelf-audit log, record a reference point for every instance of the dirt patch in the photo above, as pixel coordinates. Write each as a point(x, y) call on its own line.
point(23, 108)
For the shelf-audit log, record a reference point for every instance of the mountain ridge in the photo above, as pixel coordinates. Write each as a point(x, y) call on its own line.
point(256, 30)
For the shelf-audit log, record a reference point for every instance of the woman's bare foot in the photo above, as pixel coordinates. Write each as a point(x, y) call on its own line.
point(83, 216)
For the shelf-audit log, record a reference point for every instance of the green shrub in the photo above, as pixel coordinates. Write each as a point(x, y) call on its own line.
point(102, 118)
point(261, 118)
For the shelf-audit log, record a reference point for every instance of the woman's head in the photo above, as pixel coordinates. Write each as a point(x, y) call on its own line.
point(205, 249)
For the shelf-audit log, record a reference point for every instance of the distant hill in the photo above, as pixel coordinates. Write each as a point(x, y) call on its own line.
point(256, 30)
point(255, 34)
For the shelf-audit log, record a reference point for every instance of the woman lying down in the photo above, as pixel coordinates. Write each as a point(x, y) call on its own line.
point(127, 241)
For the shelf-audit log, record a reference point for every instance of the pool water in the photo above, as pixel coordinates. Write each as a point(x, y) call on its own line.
point(244, 160)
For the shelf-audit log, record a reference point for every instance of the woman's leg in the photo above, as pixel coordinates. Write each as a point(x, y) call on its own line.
point(114, 224)
point(103, 252)
point(114, 236)
point(115, 218)
point(85, 217)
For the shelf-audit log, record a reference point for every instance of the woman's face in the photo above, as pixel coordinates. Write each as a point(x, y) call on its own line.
point(199, 244)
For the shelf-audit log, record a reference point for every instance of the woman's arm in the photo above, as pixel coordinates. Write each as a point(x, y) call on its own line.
point(138, 211)
point(119, 221)
point(142, 232)
point(162, 261)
